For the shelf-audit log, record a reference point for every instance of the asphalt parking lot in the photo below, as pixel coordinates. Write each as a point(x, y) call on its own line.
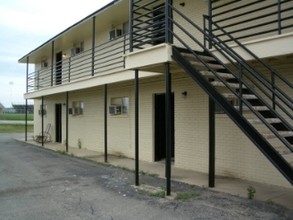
point(37, 183)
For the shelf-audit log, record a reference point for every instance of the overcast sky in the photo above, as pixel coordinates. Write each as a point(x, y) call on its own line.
point(26, 24)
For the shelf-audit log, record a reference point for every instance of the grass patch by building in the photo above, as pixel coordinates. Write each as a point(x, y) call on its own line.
point(184, 196)
point(15, 128)
point(16, 117)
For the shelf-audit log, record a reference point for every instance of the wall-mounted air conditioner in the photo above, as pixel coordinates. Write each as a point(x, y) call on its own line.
point(115, 33)
point(44, 64)
point(115, 109)
point(77, 111)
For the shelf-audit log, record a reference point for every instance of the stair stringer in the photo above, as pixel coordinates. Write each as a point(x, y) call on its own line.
point(260, 142)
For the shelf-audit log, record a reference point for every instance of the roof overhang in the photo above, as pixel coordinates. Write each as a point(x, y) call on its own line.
point(81, 30)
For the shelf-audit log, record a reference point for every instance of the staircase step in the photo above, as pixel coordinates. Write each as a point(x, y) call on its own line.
point(220, 74)
point(257, 108)
point(245, 96)
point(282, 133)
point(283, 150)
point(211, 65)
point(269, 120)
point(232, 85)
point(203, 57)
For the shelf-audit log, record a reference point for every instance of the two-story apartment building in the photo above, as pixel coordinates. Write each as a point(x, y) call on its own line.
point(206, 84)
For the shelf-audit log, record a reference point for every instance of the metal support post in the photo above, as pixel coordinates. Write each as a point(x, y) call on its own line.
point(211, 143)
point(168, 127)
point(25, 119)
point(105, 124)
point(42, 111)
point(136, 128)
point(67, 122)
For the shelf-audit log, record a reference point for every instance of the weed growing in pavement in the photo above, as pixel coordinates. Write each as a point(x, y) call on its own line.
point(184, 196)
point(152, 191)
point(148, 174)
point(251, 192)
point(160, 194)
point(62, 152)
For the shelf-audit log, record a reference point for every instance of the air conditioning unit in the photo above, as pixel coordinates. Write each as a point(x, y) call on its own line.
point(75, 51)
point(115, 109)
point(115, 33)
point(42, 112)
point(77, 111)
point(44, 64)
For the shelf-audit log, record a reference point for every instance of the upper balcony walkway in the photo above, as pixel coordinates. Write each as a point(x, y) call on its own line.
point(104, 58)
point(149, 30)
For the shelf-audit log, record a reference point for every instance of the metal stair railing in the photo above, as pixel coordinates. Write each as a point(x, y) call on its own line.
point(224, 53)
point(263, 145)
point(274, 74)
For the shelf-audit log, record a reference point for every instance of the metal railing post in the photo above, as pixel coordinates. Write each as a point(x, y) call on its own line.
point(131, 26)
point(279, 17)
point(69, 68)
point(240, 89)
point(27, 70)
point(93, 45)
point(52, 62)
point(210, 16)
point(168, 21)
point(273, 90)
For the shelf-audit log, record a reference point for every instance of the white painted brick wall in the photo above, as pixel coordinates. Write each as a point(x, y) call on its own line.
point(235, 154)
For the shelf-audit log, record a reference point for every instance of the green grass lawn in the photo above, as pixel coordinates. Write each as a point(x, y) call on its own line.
point(17, 117)
point(10, 128)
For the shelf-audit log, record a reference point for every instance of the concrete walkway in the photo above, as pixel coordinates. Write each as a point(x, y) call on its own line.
point(264, 192)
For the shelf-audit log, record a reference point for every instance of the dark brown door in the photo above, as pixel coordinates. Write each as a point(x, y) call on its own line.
point(58, 122)
point(160, 129)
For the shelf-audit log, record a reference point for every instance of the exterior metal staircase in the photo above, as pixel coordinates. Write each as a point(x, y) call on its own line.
point(258, 105)
point(257, 102)
point(243, 106)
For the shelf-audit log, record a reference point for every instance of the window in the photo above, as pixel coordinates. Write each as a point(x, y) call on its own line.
point(77, 108)
point(115, 33)
point(119, 105)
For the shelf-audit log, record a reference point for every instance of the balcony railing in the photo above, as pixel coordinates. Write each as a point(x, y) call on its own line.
point(103, 58)
point(248, 20)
